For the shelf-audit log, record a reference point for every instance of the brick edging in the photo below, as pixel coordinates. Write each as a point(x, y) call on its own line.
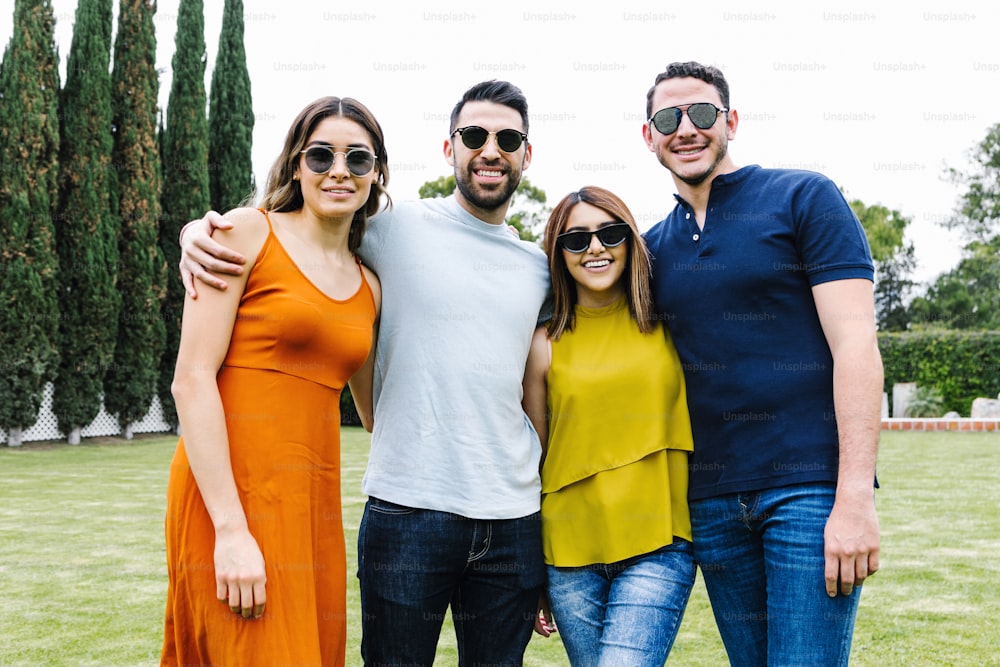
point(970, 425)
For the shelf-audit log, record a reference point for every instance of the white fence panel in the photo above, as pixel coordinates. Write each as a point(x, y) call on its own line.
point(46, 427)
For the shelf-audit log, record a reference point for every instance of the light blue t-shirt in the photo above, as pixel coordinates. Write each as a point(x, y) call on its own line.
point(460, 300)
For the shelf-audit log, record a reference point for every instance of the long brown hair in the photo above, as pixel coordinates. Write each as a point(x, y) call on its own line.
point(638, 293)
point(284, 193)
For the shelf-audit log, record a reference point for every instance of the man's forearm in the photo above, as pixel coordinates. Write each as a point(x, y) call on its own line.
point(857, 391)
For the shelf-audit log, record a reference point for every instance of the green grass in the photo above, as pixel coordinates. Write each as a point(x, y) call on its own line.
point(82, 573)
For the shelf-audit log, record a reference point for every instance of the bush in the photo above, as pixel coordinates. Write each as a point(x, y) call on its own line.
point(961, 366)
point(925, 403)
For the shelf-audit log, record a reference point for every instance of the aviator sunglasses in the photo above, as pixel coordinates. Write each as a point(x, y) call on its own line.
point(702, 115)
point(474, 137)
point(610, 236)
point(320, 159)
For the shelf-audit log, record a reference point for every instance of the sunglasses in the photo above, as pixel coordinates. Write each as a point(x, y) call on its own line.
point(610, 236)
point(320, 159)
point(474, 137)
point(702, 115)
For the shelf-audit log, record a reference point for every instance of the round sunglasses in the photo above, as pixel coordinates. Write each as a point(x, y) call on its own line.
point(320, 159)
point(474, 138)
point(702, 114)
point(610, 236)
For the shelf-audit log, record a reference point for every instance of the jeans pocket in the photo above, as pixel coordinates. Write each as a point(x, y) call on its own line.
point(386, 507)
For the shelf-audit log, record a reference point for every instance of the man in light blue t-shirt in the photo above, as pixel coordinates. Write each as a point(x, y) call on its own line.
point(452, 478)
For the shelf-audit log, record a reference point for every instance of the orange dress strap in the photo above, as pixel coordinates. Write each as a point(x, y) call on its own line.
point(267, 217)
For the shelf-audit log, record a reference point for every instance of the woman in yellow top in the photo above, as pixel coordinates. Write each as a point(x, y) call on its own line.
point(605, 391)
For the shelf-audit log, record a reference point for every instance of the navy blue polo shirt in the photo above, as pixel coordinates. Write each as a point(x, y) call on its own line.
point(737, 297)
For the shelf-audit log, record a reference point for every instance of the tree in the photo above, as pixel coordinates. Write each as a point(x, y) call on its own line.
point(441, 187)
point(894, 263)
point(186, 193)
point(893, 287)
point(29, 148)
point(978, 212)
point(968, 296)
point(527, 212)
point(86, 236)
point(130, 383)
point(231, 116)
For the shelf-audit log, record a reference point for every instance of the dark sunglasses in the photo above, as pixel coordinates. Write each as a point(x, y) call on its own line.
point(474, 137)
point(320, 159)
point(702, 114)
point(610, 236)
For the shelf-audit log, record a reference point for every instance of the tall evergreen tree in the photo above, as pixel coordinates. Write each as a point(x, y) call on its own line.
point(231, 116)
point(29, 148)
point(130, 384)
point(86, 233)
point(185, 173)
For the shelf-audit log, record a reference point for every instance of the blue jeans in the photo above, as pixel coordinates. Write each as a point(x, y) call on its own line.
point(414, 563)
point(761, 556)
point(624, 613)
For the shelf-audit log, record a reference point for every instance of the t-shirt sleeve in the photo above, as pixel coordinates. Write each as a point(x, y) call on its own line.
point(830, 238)
point(373, 242)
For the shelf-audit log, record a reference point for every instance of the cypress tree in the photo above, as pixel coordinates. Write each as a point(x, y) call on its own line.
point(231, 116)
point(86, 234)
point(185, 173)
point(29, 148)
point(130, 383)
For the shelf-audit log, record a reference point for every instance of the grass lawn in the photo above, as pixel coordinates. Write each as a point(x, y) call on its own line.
point(82, 574)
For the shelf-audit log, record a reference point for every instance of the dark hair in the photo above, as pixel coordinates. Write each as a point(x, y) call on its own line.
point(284, 193)
point(498, 92)
point(637, 268)
point(695, 70)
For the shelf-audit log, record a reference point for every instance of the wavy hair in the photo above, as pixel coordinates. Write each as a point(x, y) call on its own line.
point(284, 193)
point(695, 70)
point(638, 267)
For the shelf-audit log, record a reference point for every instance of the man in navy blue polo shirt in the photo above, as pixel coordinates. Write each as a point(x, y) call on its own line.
point(765, 278)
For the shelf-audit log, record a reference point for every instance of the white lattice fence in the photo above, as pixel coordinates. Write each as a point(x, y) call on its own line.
point(47, 428)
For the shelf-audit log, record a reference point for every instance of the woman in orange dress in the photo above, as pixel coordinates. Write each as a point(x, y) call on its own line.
point(254, 536)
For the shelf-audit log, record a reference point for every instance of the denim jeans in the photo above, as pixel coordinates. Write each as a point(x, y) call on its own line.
point(624, 613)
point(414, 563)
point(761, 556)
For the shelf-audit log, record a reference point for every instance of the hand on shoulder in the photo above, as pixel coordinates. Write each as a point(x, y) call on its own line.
point(247, 234)
point(203, 258)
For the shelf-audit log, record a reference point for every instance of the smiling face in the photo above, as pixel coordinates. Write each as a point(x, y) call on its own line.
point(487, 177)
point(336, 193)
point(597, 271)
point(694, 156)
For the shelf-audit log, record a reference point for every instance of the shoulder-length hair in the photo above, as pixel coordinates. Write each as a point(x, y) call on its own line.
point(284, 193)
point(638, 293)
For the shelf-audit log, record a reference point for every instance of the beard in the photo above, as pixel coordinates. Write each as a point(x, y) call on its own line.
point(700, 177)
point(486, 199)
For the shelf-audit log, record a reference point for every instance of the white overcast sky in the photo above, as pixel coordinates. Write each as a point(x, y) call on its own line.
point(880, 98)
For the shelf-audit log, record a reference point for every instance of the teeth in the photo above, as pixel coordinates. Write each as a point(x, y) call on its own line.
point(490, 174)
point(597, 264)
point(690, 151)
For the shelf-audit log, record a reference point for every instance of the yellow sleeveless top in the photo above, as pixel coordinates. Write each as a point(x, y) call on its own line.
point(615, 477)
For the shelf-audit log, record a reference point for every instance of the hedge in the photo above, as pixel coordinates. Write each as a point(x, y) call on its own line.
point(961, 366)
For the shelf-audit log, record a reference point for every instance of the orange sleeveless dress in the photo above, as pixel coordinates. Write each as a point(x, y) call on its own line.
point(292, 350)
